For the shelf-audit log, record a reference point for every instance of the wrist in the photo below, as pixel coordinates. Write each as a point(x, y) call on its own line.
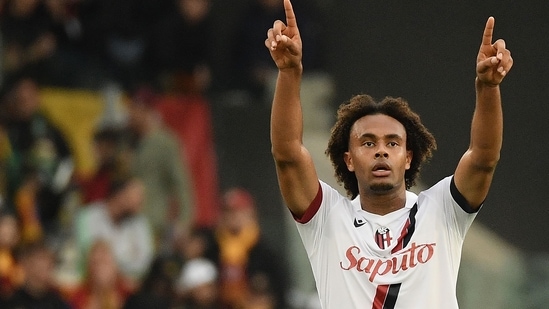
point(296, 70)
point(482, 84)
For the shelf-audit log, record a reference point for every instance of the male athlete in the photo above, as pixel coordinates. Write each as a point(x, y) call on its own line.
point(385, 247)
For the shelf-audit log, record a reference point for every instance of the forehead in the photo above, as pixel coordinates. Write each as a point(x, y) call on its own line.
point(377, 125)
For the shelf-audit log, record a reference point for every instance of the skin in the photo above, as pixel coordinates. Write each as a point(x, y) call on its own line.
point(378, 156)
point(296, 173)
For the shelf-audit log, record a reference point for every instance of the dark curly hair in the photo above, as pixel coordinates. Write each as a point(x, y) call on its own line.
point(419, 140)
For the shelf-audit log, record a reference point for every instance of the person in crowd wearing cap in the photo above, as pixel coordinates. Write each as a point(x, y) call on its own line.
point(197, 286)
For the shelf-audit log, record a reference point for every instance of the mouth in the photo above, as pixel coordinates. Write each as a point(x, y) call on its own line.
point(381, 170)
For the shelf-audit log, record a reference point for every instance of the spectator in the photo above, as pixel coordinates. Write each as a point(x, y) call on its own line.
point(157, 160)
point(106, 145)
point(11, 273)
point(260, 295)
point(197, 286)
point(161, 288)
point(65, 23)
point(157, 289)
point(28, 41)
point(39, 289)
point(119, 221)
point(5, 153)
point(247, 264)
point(103, 286)
point(71, 66)
point(115, 34)
point(199, 242)
point(179, 54)
point(40, 164)
point(254, 68)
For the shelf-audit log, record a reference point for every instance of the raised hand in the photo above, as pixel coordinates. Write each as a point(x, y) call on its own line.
point(494, 60)
point(284, 42)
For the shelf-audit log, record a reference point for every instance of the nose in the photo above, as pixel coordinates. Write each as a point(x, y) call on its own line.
point(381, 153)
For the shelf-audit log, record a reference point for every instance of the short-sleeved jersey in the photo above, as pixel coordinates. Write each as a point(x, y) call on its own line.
point(408, 258)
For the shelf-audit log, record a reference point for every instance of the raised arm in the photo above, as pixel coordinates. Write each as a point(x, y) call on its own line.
point(473, 175)
point(296, 173)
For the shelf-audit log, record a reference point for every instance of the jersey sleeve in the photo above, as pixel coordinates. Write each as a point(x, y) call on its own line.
point(455, 210)
point(310, 225)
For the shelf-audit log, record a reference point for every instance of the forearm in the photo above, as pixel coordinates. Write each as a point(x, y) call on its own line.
point(487, 125)
point(286, 114)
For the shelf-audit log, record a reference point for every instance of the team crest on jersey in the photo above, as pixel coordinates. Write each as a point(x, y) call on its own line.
point(383, 237)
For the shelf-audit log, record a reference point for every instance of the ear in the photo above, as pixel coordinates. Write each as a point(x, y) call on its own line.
point(349, 161)
point(409, 156)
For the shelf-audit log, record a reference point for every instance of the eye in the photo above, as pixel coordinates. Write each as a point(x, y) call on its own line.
point(392, 144)
point(369, 144)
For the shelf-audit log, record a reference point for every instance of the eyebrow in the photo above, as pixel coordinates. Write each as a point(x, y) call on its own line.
point(387, 136)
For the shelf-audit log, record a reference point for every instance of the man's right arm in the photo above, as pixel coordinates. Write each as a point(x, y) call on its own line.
point(296, 173)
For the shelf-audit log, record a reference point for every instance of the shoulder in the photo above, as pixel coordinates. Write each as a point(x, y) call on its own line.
point(328, 198)
point(439, 190)
point(446, 190)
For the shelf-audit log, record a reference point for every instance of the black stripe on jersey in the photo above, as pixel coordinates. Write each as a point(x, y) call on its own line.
point(392, 295)
point(386, 296)
point(412, 227)
point(458, 197)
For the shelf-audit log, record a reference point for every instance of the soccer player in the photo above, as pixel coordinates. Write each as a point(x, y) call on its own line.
point(382, 246)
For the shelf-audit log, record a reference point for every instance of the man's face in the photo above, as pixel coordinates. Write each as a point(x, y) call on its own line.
point(377, 154)
point(28, 99)
point(235, 220)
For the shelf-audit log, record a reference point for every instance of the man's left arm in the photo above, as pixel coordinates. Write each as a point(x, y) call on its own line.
point(181, 184)
point(474, 173)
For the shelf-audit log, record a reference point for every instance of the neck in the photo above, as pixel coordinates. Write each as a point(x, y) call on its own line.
point(382, 204)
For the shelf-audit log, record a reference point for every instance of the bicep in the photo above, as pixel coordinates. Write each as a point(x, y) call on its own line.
point(473, 180)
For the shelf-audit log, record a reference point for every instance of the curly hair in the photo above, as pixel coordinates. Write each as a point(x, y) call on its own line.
point(419, 140)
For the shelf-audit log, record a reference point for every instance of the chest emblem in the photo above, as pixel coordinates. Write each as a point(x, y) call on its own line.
point(383, 237)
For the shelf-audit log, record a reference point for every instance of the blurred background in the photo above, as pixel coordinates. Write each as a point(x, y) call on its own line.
point(135, 155)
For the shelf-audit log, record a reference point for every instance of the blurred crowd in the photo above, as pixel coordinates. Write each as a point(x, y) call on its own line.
point(170, 44)
point(125, 235)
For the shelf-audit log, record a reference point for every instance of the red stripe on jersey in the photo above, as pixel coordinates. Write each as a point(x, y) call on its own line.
point(379, 241)
point(403, 233)
point(381, 295)
point(407, 230)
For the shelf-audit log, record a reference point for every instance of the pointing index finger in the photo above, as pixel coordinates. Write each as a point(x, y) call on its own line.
point(291, 21)
point(488, 31)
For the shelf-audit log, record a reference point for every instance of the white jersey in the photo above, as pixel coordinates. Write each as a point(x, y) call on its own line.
point(408, 258)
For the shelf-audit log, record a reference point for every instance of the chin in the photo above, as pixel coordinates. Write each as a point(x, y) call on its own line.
point(381, 187)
